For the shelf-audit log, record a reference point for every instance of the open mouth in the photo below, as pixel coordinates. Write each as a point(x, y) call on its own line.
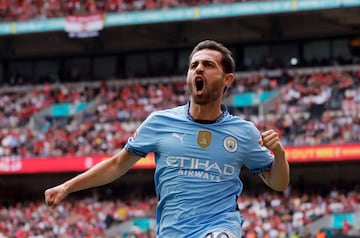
point(199, 84)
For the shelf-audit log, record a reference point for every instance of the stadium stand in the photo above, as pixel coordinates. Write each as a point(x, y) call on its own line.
point(63, 97)
point(324, 109)
point(38, 9)
point(269, 215)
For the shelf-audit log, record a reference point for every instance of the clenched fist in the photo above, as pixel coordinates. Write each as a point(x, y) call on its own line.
point(54, 195)
point(270, 139)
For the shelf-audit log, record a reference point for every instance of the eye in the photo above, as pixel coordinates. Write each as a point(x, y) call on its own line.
point(193, 65)
point(207, 63)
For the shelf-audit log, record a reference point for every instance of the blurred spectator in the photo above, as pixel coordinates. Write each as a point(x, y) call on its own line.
point(305, 112)
point(24, 10)
point(266, 215)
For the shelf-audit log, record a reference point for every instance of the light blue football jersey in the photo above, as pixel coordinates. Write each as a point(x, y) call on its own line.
point(197, 169)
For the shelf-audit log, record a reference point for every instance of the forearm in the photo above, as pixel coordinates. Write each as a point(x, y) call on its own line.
point(280, 172)
point(102, 173)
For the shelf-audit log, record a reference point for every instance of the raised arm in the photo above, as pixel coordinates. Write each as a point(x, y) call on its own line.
point(102, 173)
point(279, 176)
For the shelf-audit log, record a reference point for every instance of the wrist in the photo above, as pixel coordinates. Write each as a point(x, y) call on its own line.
point(279, 151)
point(66, 188)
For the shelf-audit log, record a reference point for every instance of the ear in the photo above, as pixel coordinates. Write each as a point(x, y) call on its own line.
point(229, 79)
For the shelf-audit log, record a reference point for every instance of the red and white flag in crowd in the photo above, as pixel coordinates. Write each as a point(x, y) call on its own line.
point(84, 26)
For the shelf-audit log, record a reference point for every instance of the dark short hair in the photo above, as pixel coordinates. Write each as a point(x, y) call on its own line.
point(227, 60)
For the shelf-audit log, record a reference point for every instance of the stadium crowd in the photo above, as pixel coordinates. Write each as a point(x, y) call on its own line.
point(311, 108)
point(315, 108)
point(271, 215)
point(117, 110)
point(23, 10)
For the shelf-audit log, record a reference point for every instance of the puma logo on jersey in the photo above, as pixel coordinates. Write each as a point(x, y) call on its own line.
point(180, 137)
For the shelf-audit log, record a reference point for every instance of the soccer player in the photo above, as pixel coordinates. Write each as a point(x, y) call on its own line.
point(199, 151)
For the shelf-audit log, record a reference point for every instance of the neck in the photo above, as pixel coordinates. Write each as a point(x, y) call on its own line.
point(208, 112)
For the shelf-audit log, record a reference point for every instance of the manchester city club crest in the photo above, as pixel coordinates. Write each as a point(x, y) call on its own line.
point(204, 138)
point(230, 144)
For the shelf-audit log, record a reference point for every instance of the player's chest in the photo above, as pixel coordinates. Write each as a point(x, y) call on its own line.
point(199, 142)
point(200, 149)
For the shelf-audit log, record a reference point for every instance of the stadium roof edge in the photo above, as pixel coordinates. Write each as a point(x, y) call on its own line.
point(182, 14)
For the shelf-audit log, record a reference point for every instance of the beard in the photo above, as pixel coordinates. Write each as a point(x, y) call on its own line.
point(204, 95)
point(205, 98)
point(201, 100)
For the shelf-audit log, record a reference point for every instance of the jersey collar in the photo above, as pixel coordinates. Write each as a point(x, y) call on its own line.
point(224, 113)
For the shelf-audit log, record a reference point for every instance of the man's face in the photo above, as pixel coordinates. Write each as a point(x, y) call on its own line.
point(205, 77)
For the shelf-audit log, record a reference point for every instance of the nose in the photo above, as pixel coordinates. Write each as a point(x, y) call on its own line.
point(199, 68)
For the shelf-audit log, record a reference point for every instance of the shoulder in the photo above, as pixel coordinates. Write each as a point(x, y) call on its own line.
point(175, 112)
point(240, 121)
point(243, 128)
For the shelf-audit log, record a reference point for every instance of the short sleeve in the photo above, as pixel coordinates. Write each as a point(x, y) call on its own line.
point(143, 140)
point(258, 158)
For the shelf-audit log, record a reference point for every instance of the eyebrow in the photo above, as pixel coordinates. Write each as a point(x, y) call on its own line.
point(205, 61)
